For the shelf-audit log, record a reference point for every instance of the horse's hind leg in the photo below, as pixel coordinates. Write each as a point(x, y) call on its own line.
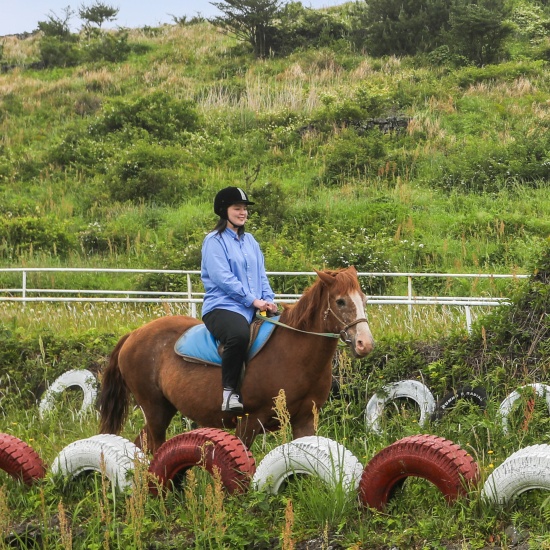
point(158, 416)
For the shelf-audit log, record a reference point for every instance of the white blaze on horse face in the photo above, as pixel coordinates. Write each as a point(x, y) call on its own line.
point(363, 342)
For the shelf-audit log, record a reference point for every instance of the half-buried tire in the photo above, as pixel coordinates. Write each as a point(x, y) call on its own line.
point(477, 395)
point(80, 378)
point(20, 460)
point(440, 461)
point(410, 389)
point(208, 448)
point(524, 470)
point(108, 453)
point(311, 455)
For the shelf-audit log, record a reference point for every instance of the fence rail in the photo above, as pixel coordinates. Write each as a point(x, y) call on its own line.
point(193, 296)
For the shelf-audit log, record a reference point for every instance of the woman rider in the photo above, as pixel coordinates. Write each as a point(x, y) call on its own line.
point(236, 285)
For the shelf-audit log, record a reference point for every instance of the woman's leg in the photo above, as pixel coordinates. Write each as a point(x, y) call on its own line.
point(233, 331)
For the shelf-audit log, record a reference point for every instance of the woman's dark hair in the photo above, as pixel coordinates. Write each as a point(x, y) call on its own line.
point(222, 224)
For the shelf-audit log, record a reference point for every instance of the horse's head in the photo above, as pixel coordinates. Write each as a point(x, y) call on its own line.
point(345, 309)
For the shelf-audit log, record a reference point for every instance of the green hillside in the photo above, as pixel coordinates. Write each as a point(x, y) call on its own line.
point(116, 163)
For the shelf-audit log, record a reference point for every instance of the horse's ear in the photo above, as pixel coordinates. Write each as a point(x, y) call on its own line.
point(325, 277)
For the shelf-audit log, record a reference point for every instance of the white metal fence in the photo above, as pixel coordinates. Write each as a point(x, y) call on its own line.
point(193, 293)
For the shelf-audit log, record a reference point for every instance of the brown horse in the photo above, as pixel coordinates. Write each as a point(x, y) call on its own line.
point(297, 360)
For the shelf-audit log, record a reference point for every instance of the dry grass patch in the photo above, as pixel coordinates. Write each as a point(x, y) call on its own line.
point(20, 52)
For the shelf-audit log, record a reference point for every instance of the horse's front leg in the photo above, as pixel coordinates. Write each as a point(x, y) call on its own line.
point(303, 426)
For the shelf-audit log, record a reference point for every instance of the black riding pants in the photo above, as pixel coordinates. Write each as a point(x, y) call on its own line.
point(233, 331)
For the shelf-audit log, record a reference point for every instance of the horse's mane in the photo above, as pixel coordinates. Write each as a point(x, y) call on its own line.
point(314, 299)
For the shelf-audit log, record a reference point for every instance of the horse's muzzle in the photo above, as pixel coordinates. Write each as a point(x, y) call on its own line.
point(361, 343)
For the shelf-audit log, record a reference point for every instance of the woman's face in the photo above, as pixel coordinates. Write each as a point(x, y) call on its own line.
point(237, 214)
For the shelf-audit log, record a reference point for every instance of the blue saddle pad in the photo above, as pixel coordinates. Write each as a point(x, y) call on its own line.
point(198, 345)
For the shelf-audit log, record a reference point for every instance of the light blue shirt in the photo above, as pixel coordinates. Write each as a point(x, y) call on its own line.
point(233, 273)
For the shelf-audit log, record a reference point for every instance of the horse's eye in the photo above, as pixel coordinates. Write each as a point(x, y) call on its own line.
point(340, 302)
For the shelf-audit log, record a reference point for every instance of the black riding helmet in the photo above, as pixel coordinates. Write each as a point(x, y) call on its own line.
point(228, 196)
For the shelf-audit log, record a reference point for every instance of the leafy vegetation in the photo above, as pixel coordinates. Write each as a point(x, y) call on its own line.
point(424, 156)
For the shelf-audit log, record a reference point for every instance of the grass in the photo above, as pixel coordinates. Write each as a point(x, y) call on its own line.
point(421, 322)
point(88, 513)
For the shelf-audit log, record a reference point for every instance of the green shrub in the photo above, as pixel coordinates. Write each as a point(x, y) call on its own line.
point(59, 52)
point(300, 27)
point(151, 173)
point(491, 167)
point(356, 247)
point(7, 169)
point(503, 72)
point(33, 234)
point(271, 203)
point(158, 113)
point(78, 151)
point(351, 154)
point(112, 47)
point(478, 31)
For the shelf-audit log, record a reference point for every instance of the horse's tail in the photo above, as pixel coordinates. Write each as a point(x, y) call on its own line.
point(114, 396)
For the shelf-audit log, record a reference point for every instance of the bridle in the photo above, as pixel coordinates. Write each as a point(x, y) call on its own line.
point(344, 331)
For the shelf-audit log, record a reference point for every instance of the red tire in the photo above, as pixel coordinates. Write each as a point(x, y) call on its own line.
point(207, 448)
point(19, 460)
point(440, 461)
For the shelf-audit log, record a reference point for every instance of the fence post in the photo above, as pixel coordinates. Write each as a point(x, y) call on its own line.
point(190, 296)
point(468, 313)
point(24, 287)
point(410, 295)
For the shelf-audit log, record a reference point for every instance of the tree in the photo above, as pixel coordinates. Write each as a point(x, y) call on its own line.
point(404, 27)
point(251, 21)
point(478, 30)
point(299, 27)
point(58, 47)
point(56, 26)
point(98, 13)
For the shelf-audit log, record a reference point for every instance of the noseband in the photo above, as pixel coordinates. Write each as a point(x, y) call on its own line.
point(344, 331)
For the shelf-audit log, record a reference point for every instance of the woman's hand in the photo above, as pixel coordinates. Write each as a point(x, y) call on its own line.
point(263, 305)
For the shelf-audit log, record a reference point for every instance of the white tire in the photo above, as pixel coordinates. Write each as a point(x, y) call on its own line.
point(411, 389)
point(542, 390)
point(521, 472)
point(118, 455)
point(311, 455)
point(81, 378)
point(541, 448)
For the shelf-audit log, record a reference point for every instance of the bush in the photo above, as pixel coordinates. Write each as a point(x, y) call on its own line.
point(149, 172)
point(505, 72)
point(32, 234)
point(112, 47)
point(353, 155)
point(78, 151)
point(299, 27)
point(355, 247)
point(478, 32)
point(59, 52)
point(158, 113)
point(493, 167)
point(271, 204)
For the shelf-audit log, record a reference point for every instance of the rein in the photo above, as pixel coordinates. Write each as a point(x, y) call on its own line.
point(343, 334)
point(278, 323)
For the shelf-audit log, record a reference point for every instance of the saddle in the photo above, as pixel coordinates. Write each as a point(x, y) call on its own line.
point(197, 345)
